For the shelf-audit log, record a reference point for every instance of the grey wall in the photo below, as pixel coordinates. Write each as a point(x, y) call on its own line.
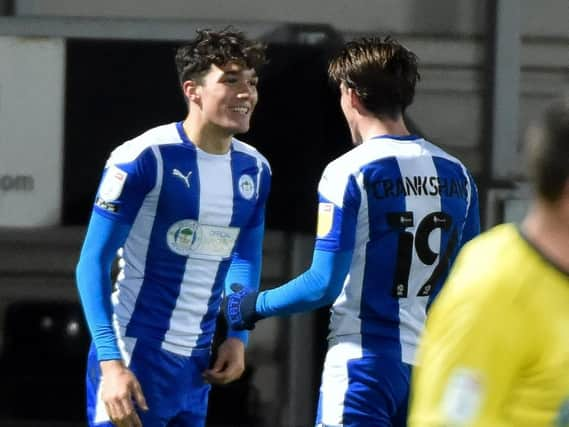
point(540, 18)
point(450, 37)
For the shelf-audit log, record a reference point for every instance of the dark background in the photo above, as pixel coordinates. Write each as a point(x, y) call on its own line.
point(116, 90)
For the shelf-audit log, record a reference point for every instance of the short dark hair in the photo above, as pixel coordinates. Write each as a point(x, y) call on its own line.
point(547, 149)
point(381, 71)
point(217, 48)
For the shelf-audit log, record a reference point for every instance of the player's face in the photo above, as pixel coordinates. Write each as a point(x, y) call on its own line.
point(228, 97)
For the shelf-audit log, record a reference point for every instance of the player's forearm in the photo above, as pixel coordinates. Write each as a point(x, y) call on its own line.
point(94, 292)
point(318, 286)
point(246, 268)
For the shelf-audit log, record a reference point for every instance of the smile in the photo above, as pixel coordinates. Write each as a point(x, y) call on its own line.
point(242, 109)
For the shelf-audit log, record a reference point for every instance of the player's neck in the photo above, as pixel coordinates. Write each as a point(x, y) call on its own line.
point(209, 138)
point(549, 231)
point(370, 127)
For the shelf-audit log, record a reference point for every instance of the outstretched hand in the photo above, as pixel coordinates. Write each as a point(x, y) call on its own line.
point(239, 308)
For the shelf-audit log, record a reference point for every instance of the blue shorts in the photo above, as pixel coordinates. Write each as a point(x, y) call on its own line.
point(172, 385)
point(362, 390)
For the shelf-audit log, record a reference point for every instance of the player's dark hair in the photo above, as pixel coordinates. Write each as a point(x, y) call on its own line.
point(548, 151)
point(381, 71)
point(210, 47)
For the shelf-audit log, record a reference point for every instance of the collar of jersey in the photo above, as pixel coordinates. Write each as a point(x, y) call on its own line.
point(533, 246)
point(186, 140)
point(411, 137)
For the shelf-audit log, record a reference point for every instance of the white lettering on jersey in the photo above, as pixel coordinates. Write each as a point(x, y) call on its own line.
point(462, 397)
point(192, 239)
point(112, 185)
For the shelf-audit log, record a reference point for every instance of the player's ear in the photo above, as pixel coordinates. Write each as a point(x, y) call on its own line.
point(192, 91)
point(355, 100)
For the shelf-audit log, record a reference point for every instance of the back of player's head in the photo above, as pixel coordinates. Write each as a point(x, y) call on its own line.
point(210, 47)
point(548, 151)
point(381, 71)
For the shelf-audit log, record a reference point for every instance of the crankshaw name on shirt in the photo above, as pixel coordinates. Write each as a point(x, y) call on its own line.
point(420, 186)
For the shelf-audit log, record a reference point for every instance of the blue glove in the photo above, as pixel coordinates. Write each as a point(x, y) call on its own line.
point(239, 308)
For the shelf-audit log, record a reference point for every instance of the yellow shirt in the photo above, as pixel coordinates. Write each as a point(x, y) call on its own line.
point(496, 347)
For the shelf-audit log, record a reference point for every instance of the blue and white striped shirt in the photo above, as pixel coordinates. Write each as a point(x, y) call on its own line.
point(188, 213)
point(393, 213)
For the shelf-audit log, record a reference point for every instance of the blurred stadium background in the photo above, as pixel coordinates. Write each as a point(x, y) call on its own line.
point(77, 78)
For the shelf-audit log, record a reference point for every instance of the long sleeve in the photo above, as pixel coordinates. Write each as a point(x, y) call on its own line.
point(246, 267)
point(104, 237)
point(318, 286)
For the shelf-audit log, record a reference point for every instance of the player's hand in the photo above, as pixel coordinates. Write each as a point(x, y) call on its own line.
point(229, 364)
point(239, 308)
point(120, 390)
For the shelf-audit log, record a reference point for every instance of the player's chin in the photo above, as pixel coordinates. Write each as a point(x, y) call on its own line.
point(239, 128)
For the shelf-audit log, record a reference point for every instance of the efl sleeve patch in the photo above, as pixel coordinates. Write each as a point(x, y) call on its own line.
point(463, 396)
point(325, 218)
point(113, 183)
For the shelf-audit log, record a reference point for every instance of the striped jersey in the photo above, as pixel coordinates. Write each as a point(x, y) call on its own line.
point(187, 208)
point(405, 207)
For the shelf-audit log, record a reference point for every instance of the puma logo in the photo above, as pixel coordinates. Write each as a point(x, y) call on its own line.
point(185, 178)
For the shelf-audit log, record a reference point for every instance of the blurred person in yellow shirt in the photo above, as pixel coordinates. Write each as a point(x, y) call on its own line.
point(495, 351)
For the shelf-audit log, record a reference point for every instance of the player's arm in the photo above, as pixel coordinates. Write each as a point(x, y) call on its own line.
point(321, 283)
point(118, 200)
point(319, 286)
point(245, 269)
point(469, 355)
point(104, 237)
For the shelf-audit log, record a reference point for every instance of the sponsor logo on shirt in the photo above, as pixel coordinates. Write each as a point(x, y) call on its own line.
point(112, 185)
point(190, 238)
point(108, 206)
point(181, 236)
point(246, 187)
point(325, 218)
point(185, 178)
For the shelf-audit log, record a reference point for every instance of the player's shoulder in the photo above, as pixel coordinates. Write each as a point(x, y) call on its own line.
point(133, 148)
point(385, 148)
point(249, 150)
point(436, 151)
point(349, 162)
